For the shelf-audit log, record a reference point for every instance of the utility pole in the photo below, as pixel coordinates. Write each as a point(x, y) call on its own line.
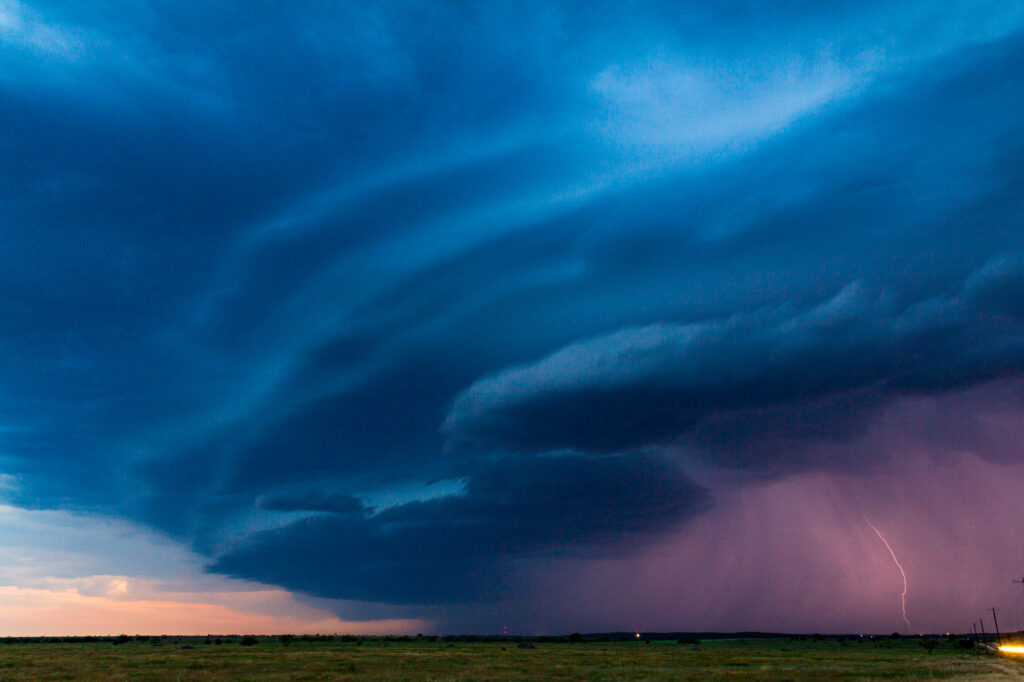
point(999, 640)
point(984, 637)
point(974, 628)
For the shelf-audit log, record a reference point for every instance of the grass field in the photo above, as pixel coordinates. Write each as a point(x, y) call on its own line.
point(722, 659)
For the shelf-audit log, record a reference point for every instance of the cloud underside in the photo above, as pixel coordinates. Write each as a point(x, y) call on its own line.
point(457, 548)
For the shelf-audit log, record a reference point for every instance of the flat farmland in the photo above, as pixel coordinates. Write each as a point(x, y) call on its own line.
point(721, 659)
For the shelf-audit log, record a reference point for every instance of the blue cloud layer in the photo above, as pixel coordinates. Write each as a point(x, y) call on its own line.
point(265, 264)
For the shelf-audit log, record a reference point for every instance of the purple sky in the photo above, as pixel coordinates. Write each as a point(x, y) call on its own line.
point(441, 317)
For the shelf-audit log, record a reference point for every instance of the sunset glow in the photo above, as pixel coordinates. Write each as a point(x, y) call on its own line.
point(31, 612)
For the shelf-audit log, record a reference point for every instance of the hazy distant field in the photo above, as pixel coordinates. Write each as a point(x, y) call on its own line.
point(374, 659)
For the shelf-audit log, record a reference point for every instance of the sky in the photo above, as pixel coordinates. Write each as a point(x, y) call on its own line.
point(443, 317)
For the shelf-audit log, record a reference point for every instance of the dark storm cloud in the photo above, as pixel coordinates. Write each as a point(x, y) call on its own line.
point(139, 152)
point(784, 371)
point(253, 258)
point(318, 502)
point(754, 389)
point(452, 549)
point(380, 391)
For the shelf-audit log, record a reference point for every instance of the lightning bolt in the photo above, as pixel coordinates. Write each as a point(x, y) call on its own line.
point(903, 597)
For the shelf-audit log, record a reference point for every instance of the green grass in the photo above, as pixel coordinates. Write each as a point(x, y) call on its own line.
point(725, 659)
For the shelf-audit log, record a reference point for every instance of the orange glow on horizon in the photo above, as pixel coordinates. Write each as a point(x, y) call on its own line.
point(1012, 649)
point(40, 612)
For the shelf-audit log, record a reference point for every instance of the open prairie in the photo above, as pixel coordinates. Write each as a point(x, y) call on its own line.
point(765, 658)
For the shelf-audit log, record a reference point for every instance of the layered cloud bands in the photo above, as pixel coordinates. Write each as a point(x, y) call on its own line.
point(408, 305)
point(764, 381)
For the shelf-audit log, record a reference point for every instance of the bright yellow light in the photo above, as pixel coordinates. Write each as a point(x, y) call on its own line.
point(1012, 649)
